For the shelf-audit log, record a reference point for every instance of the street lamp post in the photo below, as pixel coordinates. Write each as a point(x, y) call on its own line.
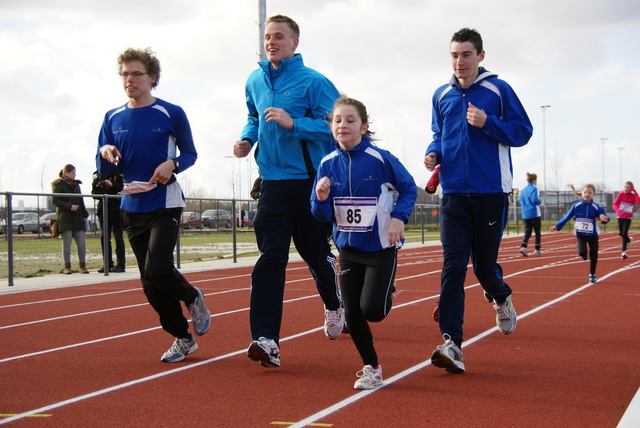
point(544, 154)
point(603, 139)
point(621, 182)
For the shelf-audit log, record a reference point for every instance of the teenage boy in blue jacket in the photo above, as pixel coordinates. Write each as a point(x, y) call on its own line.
point(288, 106)
point(476, 119)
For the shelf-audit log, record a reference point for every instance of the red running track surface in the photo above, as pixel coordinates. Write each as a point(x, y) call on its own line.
point(90, 355)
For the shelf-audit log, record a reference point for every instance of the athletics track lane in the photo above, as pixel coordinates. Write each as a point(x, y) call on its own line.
point(573, 363)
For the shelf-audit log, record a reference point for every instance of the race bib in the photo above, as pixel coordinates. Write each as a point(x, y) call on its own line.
point(355, 214)
point(626, 207)
point(584, 225)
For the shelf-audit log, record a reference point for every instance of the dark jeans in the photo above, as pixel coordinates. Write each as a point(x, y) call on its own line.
point(529, 225)
point(153, 237)
point(284, 212)
point(593, 243)
point(115, 228)
point(471, 226)
point(366, 282)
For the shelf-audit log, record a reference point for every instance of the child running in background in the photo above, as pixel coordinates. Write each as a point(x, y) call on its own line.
point(354, 188)
point(586, 213)
point(623, 205)
point(531, 214)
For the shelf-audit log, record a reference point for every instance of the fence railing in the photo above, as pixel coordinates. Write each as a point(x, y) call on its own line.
point(425, 217)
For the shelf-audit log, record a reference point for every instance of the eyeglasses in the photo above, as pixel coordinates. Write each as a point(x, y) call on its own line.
point(135, 75)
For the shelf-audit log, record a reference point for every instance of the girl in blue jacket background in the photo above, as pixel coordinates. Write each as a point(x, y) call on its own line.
point(354, 188)
point(530, 203)
point(586, 213)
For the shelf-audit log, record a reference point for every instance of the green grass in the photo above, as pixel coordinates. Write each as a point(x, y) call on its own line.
point(38, 256)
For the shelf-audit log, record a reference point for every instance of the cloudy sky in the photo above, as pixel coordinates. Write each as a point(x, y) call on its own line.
point(58, 78)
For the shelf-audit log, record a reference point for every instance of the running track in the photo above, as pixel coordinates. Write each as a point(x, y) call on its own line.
point(90, 355)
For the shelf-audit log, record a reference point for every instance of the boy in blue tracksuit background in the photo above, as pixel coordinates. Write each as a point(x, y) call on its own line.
point(586, 214)
point(476, 119)
point(354, 188)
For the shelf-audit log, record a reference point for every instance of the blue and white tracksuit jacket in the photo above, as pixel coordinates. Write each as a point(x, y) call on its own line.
point(530, 202)
point(475, 176)
point(586, 215)
point(308, 97)
point(147, 137)
point(477, 160)
point(365, 171)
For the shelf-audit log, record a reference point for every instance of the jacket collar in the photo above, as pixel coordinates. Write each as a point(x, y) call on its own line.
point(285, 64)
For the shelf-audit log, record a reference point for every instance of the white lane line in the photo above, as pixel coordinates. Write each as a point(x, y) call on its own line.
point(360, 395)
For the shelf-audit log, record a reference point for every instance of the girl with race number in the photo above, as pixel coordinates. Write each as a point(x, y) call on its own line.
point(354, 188)
point(586, 213)
point(623, 205)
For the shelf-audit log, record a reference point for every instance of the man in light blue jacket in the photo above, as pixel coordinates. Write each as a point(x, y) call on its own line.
point(288, 106)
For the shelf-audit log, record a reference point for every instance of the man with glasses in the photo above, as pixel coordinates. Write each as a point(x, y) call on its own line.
point(150, 140)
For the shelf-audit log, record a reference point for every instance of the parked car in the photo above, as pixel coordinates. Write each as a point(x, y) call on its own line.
point(191, 219)
point(45, 221)
point(216, 218)
point(24, 222)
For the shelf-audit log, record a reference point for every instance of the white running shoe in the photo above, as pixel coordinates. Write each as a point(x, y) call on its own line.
point(538, 253)
point(369, 378)
point(523, 250)
point(181, 348)
point(266, 351)
point(506, 317)
point(200, 316)
point(333, 323)
point(448, 356)
point(624, 255)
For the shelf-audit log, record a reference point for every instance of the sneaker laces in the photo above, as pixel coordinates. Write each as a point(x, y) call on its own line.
point(194, 309)
point(332, 317)
point(503, 311)
point(180, 345)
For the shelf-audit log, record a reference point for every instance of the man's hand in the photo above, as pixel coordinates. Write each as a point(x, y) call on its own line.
point(163, 172)
point(280, 116)
point(430, 161)
point(241, 149)
point(110, 153)
point(476, 117)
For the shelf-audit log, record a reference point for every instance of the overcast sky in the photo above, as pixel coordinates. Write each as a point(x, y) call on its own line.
point(58, 78)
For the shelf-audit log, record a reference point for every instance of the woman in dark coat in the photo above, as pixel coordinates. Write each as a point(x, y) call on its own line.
point(72, 216)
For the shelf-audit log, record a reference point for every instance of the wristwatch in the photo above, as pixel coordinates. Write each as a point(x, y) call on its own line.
point(176, 165)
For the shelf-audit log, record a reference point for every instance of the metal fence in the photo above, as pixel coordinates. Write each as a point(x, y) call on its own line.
point(425, 216)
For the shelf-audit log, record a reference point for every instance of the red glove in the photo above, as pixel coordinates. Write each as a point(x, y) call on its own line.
point(434, 181)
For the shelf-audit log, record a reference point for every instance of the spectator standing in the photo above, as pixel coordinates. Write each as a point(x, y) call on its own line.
point(110, 186)
point(72, 217)
point(150, 141)
point(288, 106)
point(476, 119)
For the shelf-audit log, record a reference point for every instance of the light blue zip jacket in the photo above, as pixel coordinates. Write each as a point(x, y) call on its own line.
point(477, 160)
point(530, 202)
point(308, 97)
point(365, 171)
